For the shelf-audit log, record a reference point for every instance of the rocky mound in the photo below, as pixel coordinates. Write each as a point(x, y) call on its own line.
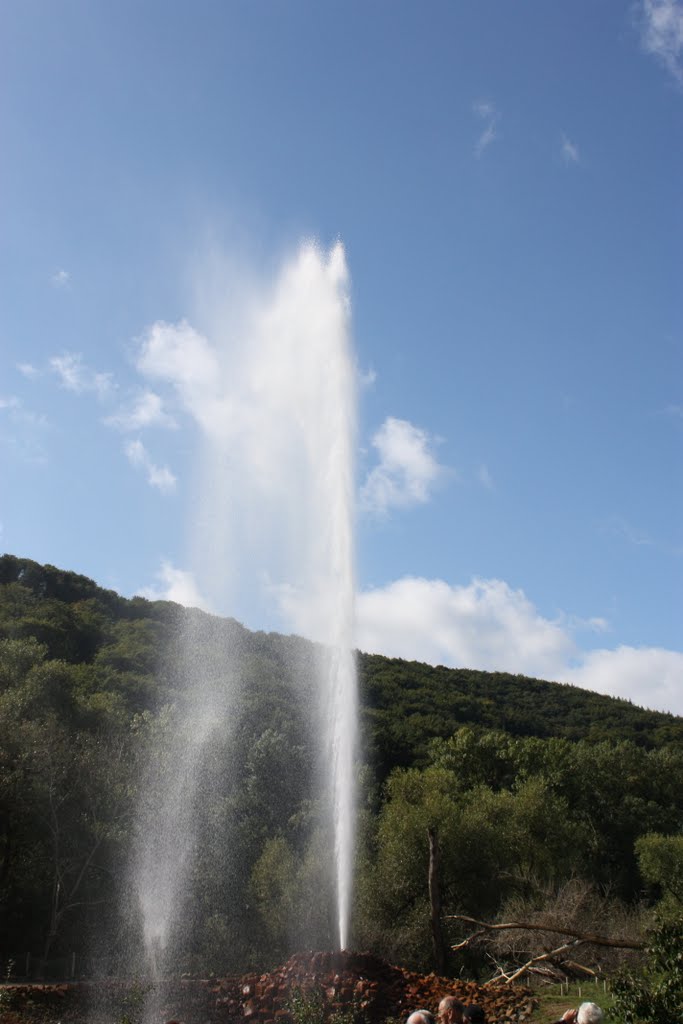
point(354, 985)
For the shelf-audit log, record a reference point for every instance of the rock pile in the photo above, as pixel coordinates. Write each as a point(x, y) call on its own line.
point(354, 984)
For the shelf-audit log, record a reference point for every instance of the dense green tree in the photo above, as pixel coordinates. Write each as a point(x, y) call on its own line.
point(660, 859)
point(654, 995)
point(293, 896)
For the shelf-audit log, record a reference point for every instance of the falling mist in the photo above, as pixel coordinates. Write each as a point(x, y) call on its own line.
point(272, 389)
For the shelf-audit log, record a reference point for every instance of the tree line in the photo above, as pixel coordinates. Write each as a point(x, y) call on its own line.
point(544, 799)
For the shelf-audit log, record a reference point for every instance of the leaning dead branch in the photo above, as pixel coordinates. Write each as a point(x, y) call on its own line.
point(553, 958)
point(583, 937)
point(551, 954)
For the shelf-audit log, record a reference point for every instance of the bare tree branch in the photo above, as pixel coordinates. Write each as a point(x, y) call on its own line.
point(511, 978)
point(584, 937)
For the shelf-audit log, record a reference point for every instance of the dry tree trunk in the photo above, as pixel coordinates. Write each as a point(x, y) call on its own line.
point(573, 939)
point(435, 903)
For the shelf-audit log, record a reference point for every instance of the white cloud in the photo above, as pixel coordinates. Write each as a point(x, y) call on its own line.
point(146, 411)
point(157, 476)
point(27, 370)
point(75, 376)
point(650, 676)
point(488, 113)
point(488, 625)
point(161, 477)
point(60, 278)
point(407, 469)
point(176, 585)
point(570, 151)
point(484, 625)
point(662, 33)
point(179, 355)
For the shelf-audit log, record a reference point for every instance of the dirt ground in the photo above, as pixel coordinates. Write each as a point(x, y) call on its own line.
point(315, 988)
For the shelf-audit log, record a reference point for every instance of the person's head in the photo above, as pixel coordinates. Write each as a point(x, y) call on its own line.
point(589, 1013)
point(450, 1010)
point(474, 1014)
point(421, 1017)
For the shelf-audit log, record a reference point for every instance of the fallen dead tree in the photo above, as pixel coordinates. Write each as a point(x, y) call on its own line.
point(554, 962)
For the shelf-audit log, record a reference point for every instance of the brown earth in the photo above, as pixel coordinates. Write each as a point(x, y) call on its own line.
point(358, 984)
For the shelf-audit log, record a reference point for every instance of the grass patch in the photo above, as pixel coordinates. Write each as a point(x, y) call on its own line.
point(553, 1000)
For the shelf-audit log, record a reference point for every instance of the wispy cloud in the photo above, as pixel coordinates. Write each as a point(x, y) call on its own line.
point(18, 413)
point(484, 109)
point(157, 476)
point(637, 537)
point(491, 626)
point(175, 585)
point(488, 113)
point(74, 375)
point(367, 378)
point(22, 431)
point(576, 624)
point(28, 370)
point(662, 33)
point(407, 469)
point(147, 410)
point(60, 278)
point(484, 477)
point(570, 151)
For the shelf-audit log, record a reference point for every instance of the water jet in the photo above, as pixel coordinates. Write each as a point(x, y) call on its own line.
point(274, 401)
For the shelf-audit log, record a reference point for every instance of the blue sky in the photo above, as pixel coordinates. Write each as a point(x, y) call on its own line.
point(505, 179)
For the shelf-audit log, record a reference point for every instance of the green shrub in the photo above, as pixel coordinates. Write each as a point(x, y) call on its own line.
point(654, 995)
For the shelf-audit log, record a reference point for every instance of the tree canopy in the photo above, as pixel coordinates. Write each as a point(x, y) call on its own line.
point(528, 784)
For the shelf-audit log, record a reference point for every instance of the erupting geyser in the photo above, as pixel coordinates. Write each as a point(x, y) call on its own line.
point(273, 393)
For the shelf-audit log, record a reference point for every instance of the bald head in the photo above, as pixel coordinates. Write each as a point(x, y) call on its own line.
point(421, 1017)
point(450, 1010)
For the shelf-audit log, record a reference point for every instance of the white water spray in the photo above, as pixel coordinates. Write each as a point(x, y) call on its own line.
point(274, 398)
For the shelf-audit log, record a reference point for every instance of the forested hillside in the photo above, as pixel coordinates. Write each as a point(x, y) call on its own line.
point(536, 790)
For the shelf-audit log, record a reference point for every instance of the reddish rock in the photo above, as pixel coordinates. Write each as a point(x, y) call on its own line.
point(343, 981)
